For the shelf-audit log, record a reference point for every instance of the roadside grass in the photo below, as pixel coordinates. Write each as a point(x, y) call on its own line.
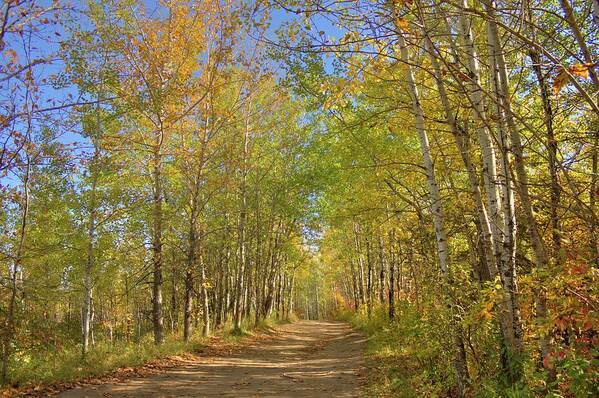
point(410, 357)
point(399, 365)
point(49, 366)
point(45, 367)
point(389, 367)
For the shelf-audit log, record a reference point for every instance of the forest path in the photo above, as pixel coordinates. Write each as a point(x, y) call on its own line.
point(302, 359)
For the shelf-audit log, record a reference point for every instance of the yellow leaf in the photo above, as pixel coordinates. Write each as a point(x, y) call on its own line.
point(486, 315)
point(402, 24)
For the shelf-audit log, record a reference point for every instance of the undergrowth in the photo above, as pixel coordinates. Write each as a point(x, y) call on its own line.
point(411, 356)
point(50, 366)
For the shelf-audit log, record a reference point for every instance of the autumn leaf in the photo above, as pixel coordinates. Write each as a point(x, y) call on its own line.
point(547, 362)
point(581, 70)
point(463, 77)
point(560, 80)
point(12, 54)
point(562, 77)
point(561, 323)
point(402, 24)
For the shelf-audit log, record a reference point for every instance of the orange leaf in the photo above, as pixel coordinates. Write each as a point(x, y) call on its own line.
point(588, 325)
point(579, 269)
point(560, 80)
point(561, 323)
point(581, 70)
point(463, 77)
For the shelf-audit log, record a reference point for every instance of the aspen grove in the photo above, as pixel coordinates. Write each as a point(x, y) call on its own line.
point(424, 170)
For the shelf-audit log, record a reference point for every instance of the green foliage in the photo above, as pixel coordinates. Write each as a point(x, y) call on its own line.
point(578, 373)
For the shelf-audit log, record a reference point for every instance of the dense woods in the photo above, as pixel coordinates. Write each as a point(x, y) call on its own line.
point(427, 170)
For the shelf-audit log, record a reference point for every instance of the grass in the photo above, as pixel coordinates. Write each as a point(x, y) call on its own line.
point(410, 357)
point(66, 365)
point(399, 365)
point(47, 367)
point(388, 369)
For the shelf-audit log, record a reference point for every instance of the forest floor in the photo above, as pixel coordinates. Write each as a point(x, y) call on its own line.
point(301, 359)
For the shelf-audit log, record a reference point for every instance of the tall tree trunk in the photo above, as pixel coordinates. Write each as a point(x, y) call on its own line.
point(290, 295)
point(192, 250)
point(521, 183)
point(382, 264)
point(356, 294)
point(317, 301)
point(535, 57)
point(157, 316)
point(89, 264)
point(188, 305)
point(360, 264)
point(485, 139)
point(239, 288)
point(369, 277)
point(434, 195)
point(258, 283)
point(435, 198)
point(392, 261)
point(204, 298)
point(10, 326)
point(508, 313)
point(588, 59)
point(594, 194)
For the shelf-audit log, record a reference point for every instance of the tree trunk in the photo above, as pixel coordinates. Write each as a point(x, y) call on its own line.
point(354, 276)
point(12, 310)
point(382, 264)
point(360, 264)
point(188, 305)
point(433, 188)
point(485, 139)
point(392, 260)
point(290, 295)
point(588, 59)
point(204, 298)
point(551, 150)
point(369, 278)
point(435, 198)
point(509, 313)
point(89, 265)
point(239, 288)
point(157, 242)
point(521, 185)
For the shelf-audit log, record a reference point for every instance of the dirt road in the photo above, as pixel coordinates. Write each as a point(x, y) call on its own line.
point(303, 359)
